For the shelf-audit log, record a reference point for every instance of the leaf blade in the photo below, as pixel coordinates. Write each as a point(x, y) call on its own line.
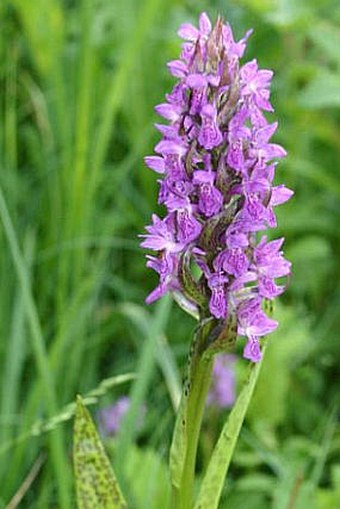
point(96, 482)
point(213, 481)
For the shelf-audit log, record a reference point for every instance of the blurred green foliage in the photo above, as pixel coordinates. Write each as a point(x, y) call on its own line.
point(79, 79)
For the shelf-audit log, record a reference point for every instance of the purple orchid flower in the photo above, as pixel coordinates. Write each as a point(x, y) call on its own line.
point(216, 163)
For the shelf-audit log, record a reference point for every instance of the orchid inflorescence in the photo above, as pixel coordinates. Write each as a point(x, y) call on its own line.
point(217, 166)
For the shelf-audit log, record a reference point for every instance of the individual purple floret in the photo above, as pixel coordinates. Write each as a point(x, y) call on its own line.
point(217, 163)
point(110, 417)
point(222, 390)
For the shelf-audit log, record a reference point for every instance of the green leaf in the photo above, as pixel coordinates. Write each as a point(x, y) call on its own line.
point(327, 499)
point(96, 482)
point(147, 477)
point(288, 344)
point(321, 92)
point(213, 481)
point(326, 36)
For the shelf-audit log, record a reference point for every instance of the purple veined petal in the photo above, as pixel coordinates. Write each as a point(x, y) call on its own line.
point(268, 249)
point(214, 79)
point(271, 218)
point(260, 186)
point(236, 126)
point(263, 172)
point(177, 96)
point(204, 24)
point(170, 147)
point(155, 163)
point(252, 350)
point(188, 32)
point(228, 37)
point(247, 310)
point(173, 163)
point(188, 51)
point(218, 304)
point(217, 279)
point(255, 208)
point(235, 156)
point(269, 259)
point(210, 200)
point(208, 165)
point(154, 263)
point(261, 99)
point(268, 289)
point(255, 85)
point(175, 202)
point(210, 135)
point(280, 194)
point(168, 111)
point(248, 71)
point(196, 80)
point(209, 110)
point(261, 325)
point(241, 44)
point(218, 300)
point(181, 188)
point(191, 128)
point(234, 49)
point(252, 321)
point(233, 261)
point(165, 265)
point(278, 267)
point(264, 134)
point(256, 116)
point(161, 235)
point(236, 239)
point(188, 227)
point(263, 78)
point(156, 294)
point(272, 150)
point(155, 243)
point(197, 100)
point(169, 131)
point(239, 282)
point(203, 177)
point(177, 68)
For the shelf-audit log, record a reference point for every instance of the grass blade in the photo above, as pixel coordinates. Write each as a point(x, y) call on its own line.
point(165, 357)
point(144, 374)
point(40, 354)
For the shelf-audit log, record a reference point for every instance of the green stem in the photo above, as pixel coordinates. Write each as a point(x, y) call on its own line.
point(185, 439)
point(196, 404)
point(214, 478)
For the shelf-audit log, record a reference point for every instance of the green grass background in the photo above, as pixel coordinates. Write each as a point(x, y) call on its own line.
point(79, 79)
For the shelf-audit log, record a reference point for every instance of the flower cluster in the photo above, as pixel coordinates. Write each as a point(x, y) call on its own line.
point(217, 165)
